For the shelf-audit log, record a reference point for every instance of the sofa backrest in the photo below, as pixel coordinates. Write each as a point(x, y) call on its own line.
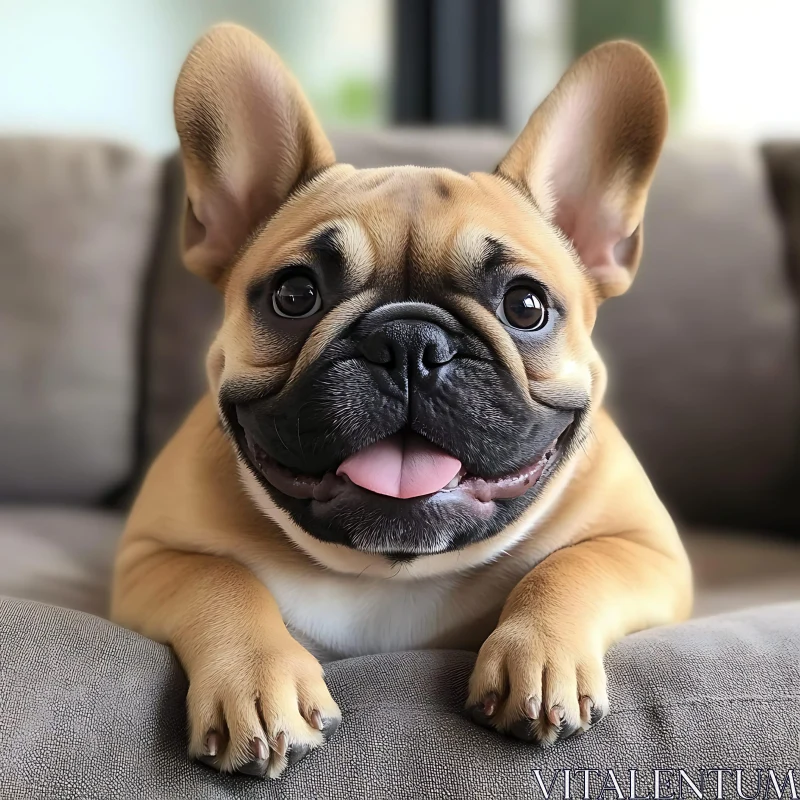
point(104, 333)
point(76, 233)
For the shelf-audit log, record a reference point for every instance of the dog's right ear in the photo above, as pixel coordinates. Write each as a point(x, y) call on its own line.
point(588, 155)
point(247, 136)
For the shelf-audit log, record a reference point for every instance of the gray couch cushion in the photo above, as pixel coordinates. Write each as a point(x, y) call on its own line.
point(76, 231)
point(58, 555)
point(90, 710)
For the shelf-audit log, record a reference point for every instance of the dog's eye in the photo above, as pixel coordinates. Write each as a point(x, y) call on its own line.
point(523, 308)
point(296, 296)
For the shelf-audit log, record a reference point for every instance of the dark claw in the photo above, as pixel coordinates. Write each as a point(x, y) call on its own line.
point(595, 714)
point(555, 716)
point(330, 726)
point(279, 746)
point(533, 707)
point(297, 752)
point(213, 746)
point(485, 710)
point(257, 767)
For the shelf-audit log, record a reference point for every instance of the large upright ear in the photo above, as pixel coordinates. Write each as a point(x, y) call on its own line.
point(247, 136)
point(588, 153)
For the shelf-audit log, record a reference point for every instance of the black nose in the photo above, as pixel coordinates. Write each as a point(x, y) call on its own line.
point(408, 350)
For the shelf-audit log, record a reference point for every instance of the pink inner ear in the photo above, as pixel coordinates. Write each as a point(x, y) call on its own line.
point(580, 205)
point(592, 229)
point(600, 240)
point(212, 227)
point(576, 188)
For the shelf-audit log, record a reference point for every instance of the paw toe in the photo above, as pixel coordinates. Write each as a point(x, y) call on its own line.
point(477, 715)
point(484, 711)
point(591, 711)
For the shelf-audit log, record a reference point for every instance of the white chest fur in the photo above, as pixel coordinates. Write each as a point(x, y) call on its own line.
point(344, 615)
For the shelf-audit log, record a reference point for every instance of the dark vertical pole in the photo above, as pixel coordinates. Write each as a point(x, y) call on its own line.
point(412, 61)
point(454, 60)
point(490, 76)
point(448, 65)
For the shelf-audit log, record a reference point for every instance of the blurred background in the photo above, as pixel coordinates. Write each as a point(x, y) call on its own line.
point(103, 333)
point(108, 68)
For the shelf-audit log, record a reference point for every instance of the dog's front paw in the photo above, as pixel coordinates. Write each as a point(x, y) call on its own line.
point(255, 713)
point(537, 686)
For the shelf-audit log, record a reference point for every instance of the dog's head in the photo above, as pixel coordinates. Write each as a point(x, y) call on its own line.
point(405, 363)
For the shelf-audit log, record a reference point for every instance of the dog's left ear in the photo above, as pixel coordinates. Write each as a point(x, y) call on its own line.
point(248, 135)
point(588, 154)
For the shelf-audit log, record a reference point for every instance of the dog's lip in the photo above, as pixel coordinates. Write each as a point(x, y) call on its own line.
point(330, 485)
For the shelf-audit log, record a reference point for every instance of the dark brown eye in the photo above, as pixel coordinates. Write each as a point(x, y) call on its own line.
point(296, 296)
point(523, 308)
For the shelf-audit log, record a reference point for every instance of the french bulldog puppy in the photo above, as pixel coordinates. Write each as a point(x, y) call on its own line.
point(404, 443)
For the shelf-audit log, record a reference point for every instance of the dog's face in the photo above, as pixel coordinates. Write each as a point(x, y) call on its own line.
point(403, 373)
point(405, 364)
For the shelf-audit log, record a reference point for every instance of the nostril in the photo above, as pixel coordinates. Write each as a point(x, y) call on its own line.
point(377, 351)
point(436, 354)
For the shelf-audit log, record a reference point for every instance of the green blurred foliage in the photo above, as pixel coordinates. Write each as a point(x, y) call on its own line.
point(354, 100)
point(357, 98)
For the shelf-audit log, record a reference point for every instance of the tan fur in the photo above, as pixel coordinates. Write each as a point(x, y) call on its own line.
point(208, 564)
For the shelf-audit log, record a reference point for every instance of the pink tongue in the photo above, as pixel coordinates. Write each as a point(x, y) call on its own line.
point(404, 465)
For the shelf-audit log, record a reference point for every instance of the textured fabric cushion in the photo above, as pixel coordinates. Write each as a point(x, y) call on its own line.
point(58, 555)
point(704, 372)
point(92, 711)
point(76, 231)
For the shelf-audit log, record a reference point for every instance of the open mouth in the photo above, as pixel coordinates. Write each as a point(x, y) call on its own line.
point(405, 466)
